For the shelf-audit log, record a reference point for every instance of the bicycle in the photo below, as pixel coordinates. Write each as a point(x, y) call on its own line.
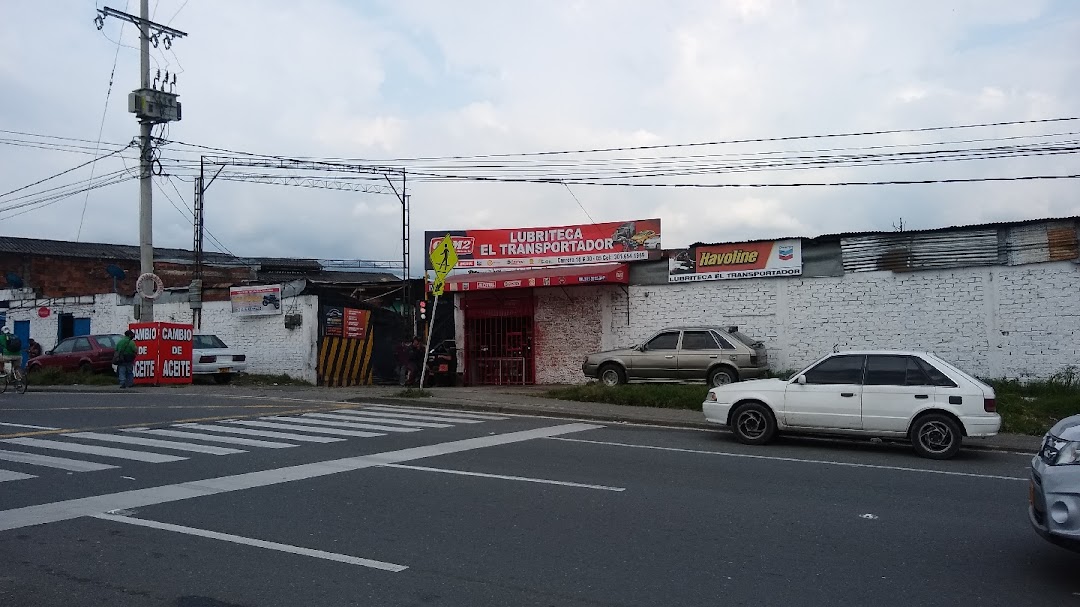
point(15, 375)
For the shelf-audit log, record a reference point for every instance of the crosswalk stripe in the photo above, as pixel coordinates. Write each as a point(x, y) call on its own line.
point(48, 461)
point(8, 475)
point(233, 440)
point(267, 433)
point(153, 442)
point(340, 424)
point(303, 428)
point(140, 456)
point(385, 420)
point(446, 412)
point(365, 413)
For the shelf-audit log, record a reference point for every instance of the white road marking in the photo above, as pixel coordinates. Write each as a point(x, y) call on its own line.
point(340, 424)
point(48, 461)
point(153, 442)
point(266, 433)
point(435, 411)
point(379, 420)
point(868, 516)
point(231, 440)
point(18, 518)
point(303, 428)
point(8, 475)
point(799, 460)
point(526, 479)
point(140, 456)
point(426, 418)
point(236, 539)
point(31, 426)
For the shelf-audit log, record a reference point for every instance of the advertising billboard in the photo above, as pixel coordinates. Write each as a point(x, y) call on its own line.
point(616, 241)
point(163, 353)
point(763, 258)
point(256, 300)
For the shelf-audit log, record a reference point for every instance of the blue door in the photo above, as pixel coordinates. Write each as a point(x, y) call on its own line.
point(22, 330)
point(81, 327)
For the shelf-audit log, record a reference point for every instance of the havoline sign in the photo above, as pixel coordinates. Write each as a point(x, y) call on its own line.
point(763, 258)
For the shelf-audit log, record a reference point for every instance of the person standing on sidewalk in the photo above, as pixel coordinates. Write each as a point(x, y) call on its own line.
point(124, 357)
point(10, 351)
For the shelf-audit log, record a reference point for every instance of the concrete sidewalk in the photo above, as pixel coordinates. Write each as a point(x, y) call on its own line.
point(523, 400)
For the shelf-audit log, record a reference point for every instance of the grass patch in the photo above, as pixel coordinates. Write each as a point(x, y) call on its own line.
point(56, 377)
point(1033, 407)
point(415, 393)
point(256, 379)
point(666, 396)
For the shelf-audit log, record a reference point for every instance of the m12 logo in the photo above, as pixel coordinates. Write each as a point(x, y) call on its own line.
point(462, 244)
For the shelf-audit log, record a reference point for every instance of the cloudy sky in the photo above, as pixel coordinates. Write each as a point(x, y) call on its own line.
point(403, 79)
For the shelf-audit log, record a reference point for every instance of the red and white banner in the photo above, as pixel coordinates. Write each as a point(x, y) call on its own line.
point(560, 245)
point(611, 273)
point(163, 353)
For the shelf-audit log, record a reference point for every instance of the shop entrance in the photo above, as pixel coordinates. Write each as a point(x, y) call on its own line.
point(498, 338)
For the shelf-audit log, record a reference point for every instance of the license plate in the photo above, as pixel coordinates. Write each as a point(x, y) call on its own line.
point(225, 370)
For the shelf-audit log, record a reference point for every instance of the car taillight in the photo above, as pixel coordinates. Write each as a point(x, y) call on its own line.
point(989, 405)
point(207, 359)
point(239, 358)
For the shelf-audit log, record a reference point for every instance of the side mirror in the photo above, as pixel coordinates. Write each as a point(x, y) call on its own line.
point(642, 348)
point(801, 380)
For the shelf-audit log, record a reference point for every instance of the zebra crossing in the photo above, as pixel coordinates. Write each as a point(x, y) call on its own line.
point(180, 441)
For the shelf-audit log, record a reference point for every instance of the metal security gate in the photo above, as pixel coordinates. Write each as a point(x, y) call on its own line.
point(499, 339)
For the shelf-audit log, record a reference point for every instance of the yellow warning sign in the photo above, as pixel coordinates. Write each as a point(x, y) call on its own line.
point(438, 286)
point(443, 258)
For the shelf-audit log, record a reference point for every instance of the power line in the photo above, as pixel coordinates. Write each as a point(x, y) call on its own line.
point(765, 185)
point(75, 168)
point(101, 129)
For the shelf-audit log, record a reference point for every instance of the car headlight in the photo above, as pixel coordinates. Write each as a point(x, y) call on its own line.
point(1068, 454)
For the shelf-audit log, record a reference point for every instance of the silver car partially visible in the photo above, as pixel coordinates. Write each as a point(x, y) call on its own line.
point(714, 355)
point(1054, 496)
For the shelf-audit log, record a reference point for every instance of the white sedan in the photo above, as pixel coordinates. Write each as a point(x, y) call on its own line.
point(210, 356)
point(888, 394)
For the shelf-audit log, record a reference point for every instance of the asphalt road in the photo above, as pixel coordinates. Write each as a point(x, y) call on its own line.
point(467, 509)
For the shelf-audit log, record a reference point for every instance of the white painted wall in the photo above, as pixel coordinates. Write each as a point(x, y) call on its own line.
point(1007, 321)
point(270, 347)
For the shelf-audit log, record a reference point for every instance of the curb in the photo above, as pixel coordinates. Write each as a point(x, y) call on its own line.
point(494, 407)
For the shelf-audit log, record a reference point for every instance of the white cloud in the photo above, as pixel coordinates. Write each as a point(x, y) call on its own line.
point(429, 78)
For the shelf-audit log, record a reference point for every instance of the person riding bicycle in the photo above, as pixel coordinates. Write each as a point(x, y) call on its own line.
point(10, 351)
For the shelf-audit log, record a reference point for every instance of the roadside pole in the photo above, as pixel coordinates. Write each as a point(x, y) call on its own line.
point(427, 346)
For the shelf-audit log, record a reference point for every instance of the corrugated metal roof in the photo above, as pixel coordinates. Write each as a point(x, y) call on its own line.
point(839, 235)
point(911, 251)
point(1041, 242)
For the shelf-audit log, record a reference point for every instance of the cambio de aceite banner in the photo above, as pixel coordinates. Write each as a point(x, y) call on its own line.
point(616, 241)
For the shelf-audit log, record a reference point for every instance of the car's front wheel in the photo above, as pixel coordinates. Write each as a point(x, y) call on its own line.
point(612, 375)
point(721, 376)
point(936, 436)
point(753, 424)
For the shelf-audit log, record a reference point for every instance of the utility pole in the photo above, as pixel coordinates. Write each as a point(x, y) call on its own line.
point(146, 168)
point(150, 106)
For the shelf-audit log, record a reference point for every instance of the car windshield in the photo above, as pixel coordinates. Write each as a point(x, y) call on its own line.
point(753, 343)
point(206, 342)
point(107, 341)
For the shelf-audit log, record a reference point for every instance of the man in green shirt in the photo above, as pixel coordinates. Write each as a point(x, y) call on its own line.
point(124, 357)
point(10, 356)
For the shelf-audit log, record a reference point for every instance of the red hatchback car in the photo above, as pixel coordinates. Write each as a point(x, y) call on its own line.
point(89, 353)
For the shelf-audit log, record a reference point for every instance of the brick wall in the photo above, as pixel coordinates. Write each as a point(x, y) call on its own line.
point(1008, 321)
point(568, 324)
point(270, 347)
point(72, 276)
